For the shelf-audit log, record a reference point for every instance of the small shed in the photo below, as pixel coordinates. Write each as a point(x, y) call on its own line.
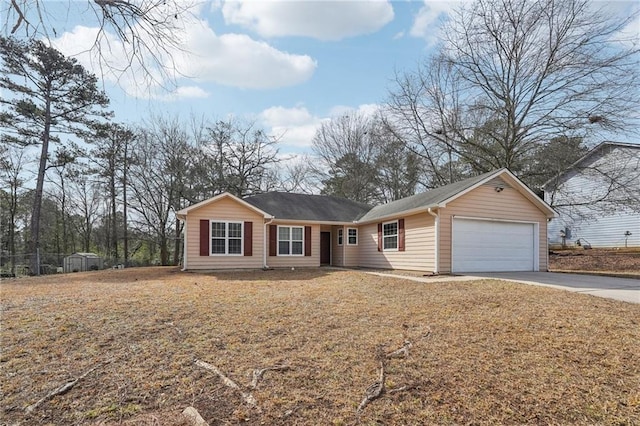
point(79, 262)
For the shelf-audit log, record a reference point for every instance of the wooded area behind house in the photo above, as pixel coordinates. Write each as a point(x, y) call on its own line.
point(527, 85)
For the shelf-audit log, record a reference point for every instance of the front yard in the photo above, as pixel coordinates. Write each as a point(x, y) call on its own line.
point(480, 352)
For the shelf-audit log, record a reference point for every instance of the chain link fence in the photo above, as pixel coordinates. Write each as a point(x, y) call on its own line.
point(18, 265)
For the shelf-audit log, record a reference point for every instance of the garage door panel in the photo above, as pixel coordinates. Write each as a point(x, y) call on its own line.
point(492, 246)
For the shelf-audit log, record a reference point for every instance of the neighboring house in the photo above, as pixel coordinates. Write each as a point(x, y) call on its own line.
point(491, 222)
point(598, 198)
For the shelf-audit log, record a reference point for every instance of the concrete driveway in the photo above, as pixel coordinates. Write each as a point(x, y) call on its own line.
point(625, 289)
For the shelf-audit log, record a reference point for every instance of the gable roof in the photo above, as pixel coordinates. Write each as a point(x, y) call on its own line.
point(439, 197)
point(321, 208)
point(598, 150)
point(182, 214)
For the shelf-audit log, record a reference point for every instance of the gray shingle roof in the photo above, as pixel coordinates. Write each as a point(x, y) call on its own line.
point(424, 200)
point(284, 205)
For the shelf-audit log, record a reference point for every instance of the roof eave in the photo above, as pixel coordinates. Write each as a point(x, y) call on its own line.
point(277, 220)
point(408, 212)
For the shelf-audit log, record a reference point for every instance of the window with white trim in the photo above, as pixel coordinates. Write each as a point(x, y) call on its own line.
point(226, 238)
point(340, 236)
point(390, 235)
point(352, 236)
point(290, 240)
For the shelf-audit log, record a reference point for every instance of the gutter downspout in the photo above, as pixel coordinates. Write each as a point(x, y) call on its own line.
point(436, 269)
point(264, 243)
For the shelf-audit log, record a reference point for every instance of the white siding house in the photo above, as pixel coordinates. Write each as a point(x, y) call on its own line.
point(598, 198)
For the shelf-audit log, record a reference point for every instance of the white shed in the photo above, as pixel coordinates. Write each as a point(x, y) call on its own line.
point(79, 262)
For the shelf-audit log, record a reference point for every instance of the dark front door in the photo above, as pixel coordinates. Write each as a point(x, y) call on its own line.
point(325, 248)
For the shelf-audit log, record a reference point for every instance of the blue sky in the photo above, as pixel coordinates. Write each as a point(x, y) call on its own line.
point(287, 65)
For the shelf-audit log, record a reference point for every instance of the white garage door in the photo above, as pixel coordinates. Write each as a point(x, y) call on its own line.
point(492, 246)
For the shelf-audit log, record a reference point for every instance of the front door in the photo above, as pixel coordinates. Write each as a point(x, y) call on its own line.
point(325, 248)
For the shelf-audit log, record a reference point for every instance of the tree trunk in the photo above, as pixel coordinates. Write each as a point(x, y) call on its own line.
point(177, 245)
point(34, 238)
point(114, 219)
point(125, 236)
point(65, 237)
point(12, 231)
point(164, 251)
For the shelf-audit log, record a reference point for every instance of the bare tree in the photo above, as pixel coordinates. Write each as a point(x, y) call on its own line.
point(158, 180)
point(111, 161)
point(363, 159)
point(12, 168)
point(237, 158)
point(85, 200)
point(147, 30)
point(347, 155)
point(511, 74)
point(297, 175)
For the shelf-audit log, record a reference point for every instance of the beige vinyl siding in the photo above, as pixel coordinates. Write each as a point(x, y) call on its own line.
point(336, 250)
point(485, 202)
point(298, 261)
point(352, 254)
point(419, 251)
point(224, 209)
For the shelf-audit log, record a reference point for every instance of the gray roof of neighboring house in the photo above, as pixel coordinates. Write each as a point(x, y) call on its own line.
point(324, 208)
point(424, 200)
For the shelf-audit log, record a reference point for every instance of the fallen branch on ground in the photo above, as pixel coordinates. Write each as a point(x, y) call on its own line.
point(258, 373)
point(403, 352)
point(60, 391)
point(375, 390)
point(248, 398)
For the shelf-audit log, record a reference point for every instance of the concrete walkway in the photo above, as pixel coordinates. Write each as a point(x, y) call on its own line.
point(624, 289)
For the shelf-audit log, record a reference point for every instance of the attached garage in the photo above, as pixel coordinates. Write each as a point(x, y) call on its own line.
point(485, 245)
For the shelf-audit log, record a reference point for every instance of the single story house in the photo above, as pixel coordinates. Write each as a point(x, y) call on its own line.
point(491, 222)
point(598, 198)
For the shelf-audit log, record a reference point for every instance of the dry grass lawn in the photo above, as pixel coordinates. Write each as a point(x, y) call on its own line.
point(494, 352)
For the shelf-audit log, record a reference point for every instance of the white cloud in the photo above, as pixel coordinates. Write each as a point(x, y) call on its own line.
point(427, 22)
point(629, 36)
point(323, 20)
point(296, 126)
point(237, 60)
point(203, 56)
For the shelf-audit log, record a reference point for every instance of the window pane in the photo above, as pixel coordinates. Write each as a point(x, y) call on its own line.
point(296, 234)
point(217, 246)
point(283, 233)
point(296, 247)
point(235, 230)
point(340, 236)
point(390, 242)
point(218, 229)
point(235, 246)
point(283, 247)
point(353, 232)
point(391, 228)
